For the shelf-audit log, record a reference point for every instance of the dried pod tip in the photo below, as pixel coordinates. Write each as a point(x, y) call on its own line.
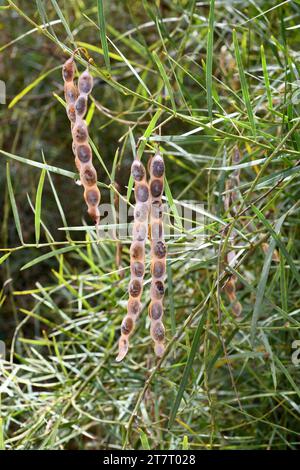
point(237, 309)
point(94, 214)
point(123, 349)
point(159, 349)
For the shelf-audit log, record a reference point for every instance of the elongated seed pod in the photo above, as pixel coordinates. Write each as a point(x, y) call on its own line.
point(137, 256)
point(76, 100)
point(230, 204)
point(158, 253)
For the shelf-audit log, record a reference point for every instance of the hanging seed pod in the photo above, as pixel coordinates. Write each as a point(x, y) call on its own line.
point(158, 253)
point(137, 256)
point(76, 100)
point(231, 200)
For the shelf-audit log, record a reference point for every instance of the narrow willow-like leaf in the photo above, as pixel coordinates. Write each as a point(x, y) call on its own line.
point(266, 76)
point(172, 205)
point(2, 446)
point(41, 258)
point(63, 20)
point(30, 87)
point(27, 161)
point(38, 206)
point(101, 20)
point(187, 369)
point(185, 443)
point(4, 257)
point(165, 79)
point(171, 298)
point(244, 84)
point(209, 58)
point(13, 204)
point(144, 441)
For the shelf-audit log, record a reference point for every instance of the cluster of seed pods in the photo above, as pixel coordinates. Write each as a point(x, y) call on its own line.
point(137, 255)
point(76, 100)
point(158, 253)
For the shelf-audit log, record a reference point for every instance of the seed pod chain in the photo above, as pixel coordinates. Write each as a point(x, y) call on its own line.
point(137, 256)
point(76, 100)
point(158, 253)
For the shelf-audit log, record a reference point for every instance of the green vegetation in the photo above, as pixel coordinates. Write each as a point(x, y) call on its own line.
point(214, 85)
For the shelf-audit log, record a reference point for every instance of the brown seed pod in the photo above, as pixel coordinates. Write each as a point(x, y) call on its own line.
point(81, 105)
point(71, 112)
point(139, 231)
point(158, 254)
point(133, 307)
point(141, 212)
point(71, 92)
point(92, 196)
point(137, 255)
point(156, 187)
point(76, 108)
point(156, 209)
point(156, 230)
point(85, 82)
point(155, 310)
point(80, 132)
point(88, 175)
point(135, 288)
point(142, 193)
point(127, 325)
point(137, 251)
point(137, 269)
point(84, 153)
point(157, 166)
point(158, 331)
point(159, 249)
point(231, 205)
point(158, 268)
point(157, 290)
